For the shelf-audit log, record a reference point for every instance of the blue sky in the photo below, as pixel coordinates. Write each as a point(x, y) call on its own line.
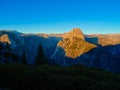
point(58, 16)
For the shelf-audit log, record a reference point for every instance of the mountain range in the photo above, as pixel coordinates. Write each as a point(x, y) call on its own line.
point(74, 47)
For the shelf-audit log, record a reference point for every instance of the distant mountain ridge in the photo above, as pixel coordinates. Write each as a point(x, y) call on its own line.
point(28, 43)
point(74, 47)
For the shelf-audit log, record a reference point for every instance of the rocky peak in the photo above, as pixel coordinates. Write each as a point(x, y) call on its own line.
point(5, 39)
point(75, 33)
point(74, 44)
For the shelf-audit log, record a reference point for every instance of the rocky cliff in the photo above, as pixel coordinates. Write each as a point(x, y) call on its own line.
point(74, 47)
point(92, 51)
point(5, 39)
point(74, 44)
point(29, 43)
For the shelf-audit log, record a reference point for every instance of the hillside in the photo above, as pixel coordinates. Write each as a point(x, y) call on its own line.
point(71, 48)
point(54, 77)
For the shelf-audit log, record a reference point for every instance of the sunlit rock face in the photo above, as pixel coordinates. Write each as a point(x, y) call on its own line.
point(104, 39)
point(110, 39)
point(76, 32)
point(74, 44)
point(77, 48)
point(5, 39)
point(74, 47)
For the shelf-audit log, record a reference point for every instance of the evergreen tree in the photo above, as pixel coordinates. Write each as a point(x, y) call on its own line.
point(8, 46)
point(0, 46)
point(40, 58)
point(15, 58)
point(24, 59)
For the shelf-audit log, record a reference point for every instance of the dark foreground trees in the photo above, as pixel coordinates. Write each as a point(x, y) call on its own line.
point(40, 58)
point(24, 59)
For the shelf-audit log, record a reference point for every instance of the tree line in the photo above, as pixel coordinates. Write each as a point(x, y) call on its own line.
point(39, 59)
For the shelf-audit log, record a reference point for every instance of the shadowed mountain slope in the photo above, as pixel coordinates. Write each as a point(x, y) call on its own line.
point(74, 47)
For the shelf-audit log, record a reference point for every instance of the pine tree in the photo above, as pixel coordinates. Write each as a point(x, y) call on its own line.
point(8, 46)
point(0, 46)
point(15, 58)
point(40, 58)
point(24, 59)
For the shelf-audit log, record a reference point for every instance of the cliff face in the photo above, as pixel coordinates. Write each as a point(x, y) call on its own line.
point(5, 39)
point(29, 43)
point(76, 48)
point(76, 32)
point(99, 51)
point(74, 44)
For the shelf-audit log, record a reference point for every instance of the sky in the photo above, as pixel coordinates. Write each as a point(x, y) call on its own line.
point(59, 16)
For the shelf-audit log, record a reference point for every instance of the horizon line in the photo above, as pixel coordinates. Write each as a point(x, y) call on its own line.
point(9, 30)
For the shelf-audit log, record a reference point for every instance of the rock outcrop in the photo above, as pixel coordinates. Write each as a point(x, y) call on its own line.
point(99, 51)
point(76, 32)
point(29, 43)
point(5, 39)
point(76, 48)
point(74, 44)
